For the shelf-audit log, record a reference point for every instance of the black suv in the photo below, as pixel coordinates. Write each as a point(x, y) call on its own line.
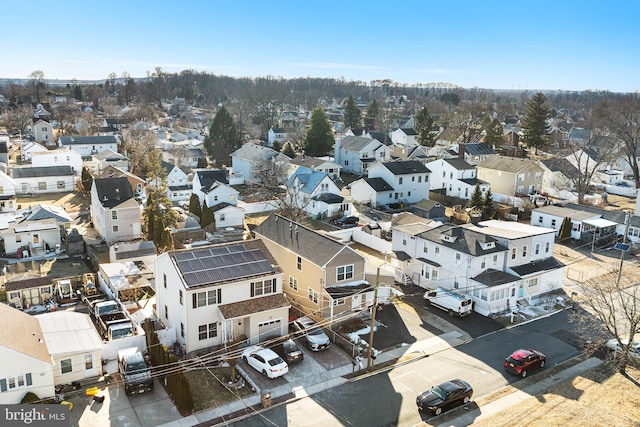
point(289, 351)
point(347, 221)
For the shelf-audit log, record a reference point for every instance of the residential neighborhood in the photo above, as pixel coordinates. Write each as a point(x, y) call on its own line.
point(205, 249)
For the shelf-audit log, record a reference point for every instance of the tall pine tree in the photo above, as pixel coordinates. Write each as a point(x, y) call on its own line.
point(352, 115)
point(424, 126)
point(371, 116)
point(535, 125)
point(476, 200)
point(223, 138)
point(319, 139)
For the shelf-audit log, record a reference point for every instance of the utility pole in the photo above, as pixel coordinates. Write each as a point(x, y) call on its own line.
point(373, 322)
point(622, 251)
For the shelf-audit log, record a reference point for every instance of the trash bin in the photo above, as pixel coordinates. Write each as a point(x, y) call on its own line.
point(265, 398)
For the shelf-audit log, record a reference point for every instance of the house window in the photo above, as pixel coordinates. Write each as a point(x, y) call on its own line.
point(115, 229)
point(434, 274)
point(215, 198)
point(18, 238)
point(182, 329)
point(483, 262)
point(539, 220)
point(212, 297)
point(164, 279)
point(88, 361)
point(420, 178)
point(426, 178)
point(553, 223)
point(114, 214)
point(546, 247)
point(409, 194)
point(533, 282)
point(221, 217)
point(437, 251)
point(521, 177)
point(456, 283)
point(345, 272)
point(400, 181)
point(413, 178)
point(299, 263)
point(425, 249)
point(524, 251)
point(61, 184)
point(390, 195)
point(537, 248)
point(404, 241)
point(42, 186)
point(66, 367)
point(166, 312)
point(457, 256)
point(339, 301)
point(207, 331)
point(495, 259)
point(513, 253)
point(293, 283)
point(180, 297)
point(263, 287)
point(36, 239)
point(313, 296)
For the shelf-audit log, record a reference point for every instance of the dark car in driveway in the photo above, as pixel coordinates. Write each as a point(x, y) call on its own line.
point(347, 221)
point(523, 361)
point(289, 351)
point(445, 396)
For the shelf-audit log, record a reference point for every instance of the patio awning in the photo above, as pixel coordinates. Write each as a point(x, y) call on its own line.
point(600, 223)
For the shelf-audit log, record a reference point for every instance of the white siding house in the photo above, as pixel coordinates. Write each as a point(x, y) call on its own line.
point(90, 145)
point(409, 179)
point(44, 179)
point(116, 215)
point(455, 177)
point(356, 154)
point(59, 157)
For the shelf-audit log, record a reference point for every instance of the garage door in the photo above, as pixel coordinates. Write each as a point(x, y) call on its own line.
point(268, 330)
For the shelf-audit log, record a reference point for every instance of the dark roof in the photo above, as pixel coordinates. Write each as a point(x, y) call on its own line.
point(224, 263)
point(459, 164)
point(41, 171)
point(615, 216)
point(409, 131)
point(428, 204)
point(380, 136)
point(471, 181)
point(536, 266)
point(402, 255)
point(309, 244)
point(88, 140)
point(27, 283)
point(180, 187)
point(253, 305)
point(142, 249)
point(562, 165)
point(221, 205)
point(405, 167)
point(329, 198)
point(428, 261)
point(466, 241)
point(113, 191)
point(491, 277)
point(336, 292)
point(378, 184)
point(3, 147)
point(479, 148)
point(278, 130)
point(210, 176)
point(168, 167)
point(40, 212)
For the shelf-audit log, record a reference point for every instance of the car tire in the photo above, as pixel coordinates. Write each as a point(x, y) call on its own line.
point(438, 411)
point(451, 313)
point(264, 372)
point(524, 374)
point(542, 364)
point(466, 399)
point(246, 359)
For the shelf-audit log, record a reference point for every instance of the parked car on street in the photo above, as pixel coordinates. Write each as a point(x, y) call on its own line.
point(634, 349)
point(265, 361)
point(522, 361)
point(347, 221)
point(313, 336)
point(445, 396)
point(289, 351)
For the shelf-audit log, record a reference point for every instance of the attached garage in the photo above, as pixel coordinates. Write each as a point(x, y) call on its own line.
point(270, 329)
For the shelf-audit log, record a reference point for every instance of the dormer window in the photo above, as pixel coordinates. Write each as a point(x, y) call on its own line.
point(487, 245)
point(447, 238)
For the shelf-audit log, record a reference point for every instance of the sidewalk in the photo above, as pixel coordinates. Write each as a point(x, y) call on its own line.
point(512, 399)
point(291, 392)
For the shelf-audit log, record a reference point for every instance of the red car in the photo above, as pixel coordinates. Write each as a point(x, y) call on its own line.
point(522, 361)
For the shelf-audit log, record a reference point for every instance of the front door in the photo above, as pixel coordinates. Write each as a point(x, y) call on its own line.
point(520, 290)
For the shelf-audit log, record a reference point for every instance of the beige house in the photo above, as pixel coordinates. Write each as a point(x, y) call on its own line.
point(323, 278)
point(511, 176)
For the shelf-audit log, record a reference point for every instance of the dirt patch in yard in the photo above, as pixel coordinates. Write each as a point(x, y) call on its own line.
point(208, 390)
point(598, 397)
point(71, 202)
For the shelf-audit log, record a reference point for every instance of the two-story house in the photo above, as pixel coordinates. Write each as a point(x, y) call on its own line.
point(110, 158)
point(405, 136)
point(375, 192)
point(58, 157)
point(42, 132)
point(356, 154)
point(178, 186)
point(323, 278)
point(558, 178)
point(409, 179)
point(529, 259)
point(137, 184)
point(116, 215)
point(308, 190)
point(327, 166)
point(278, 135)
point(455, 177)
point(221, 294)
point(28, 363)
point(89, 145)
point(251, 160)
point(511, 176)
point(8, 199)
point(475, 152)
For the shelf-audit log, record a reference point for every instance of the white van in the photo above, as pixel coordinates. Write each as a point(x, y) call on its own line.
point(453, 303)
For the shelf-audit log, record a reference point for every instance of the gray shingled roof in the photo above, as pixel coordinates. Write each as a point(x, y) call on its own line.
point(491, 277)
point(355, 143)
point(459, 164)
point(309, 244)
point(406, 167)
point(41, 171)
point(88, 140)
point(536, 266)
point(506, 163)
point(113, 191)
point(209, 176)
point(378, 184)
point(467, 241)
point(479, 148)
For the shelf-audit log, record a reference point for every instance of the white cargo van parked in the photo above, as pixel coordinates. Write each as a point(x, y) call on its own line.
point(453, 303)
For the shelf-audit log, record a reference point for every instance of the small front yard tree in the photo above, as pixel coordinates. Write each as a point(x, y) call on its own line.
point(476, 200)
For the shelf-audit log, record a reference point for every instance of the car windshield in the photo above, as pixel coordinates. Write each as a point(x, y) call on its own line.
point(276, 361)
point(289, 346)
point(439, 392)
point(315, 331)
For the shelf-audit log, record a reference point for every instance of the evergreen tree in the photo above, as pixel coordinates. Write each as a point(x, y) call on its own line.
point(87, 179)
point(371, 117)
point(494, 133)
point(352, 115)
point(476, 200)
point(424, 127)
point(207, 215)
point(223, 138)
point(288, 150)
point(276, 146)
point(488, 210)
point(565, 230)
point(202, 162)
point(319, 139)
point(194, 205)
point(535, 126)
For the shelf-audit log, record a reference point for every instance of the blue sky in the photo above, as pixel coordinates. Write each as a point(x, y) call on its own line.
point(548, 45)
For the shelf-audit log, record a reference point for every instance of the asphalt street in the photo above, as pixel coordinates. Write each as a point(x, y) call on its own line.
point(388, 398)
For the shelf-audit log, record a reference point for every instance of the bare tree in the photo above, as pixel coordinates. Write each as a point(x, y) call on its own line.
point(136, 145)
point(611, 310)
point(19, 118)
point(38, 84)
point(468, 120)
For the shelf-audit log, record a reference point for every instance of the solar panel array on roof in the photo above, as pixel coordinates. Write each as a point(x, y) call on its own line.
point(211, 265)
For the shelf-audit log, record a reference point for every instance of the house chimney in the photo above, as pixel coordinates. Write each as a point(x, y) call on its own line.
point(461, 150)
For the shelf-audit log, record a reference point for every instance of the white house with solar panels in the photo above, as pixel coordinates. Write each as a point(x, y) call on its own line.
point(220, 294)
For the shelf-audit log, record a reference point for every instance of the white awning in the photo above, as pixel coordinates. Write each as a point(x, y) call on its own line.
point(600, 223)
